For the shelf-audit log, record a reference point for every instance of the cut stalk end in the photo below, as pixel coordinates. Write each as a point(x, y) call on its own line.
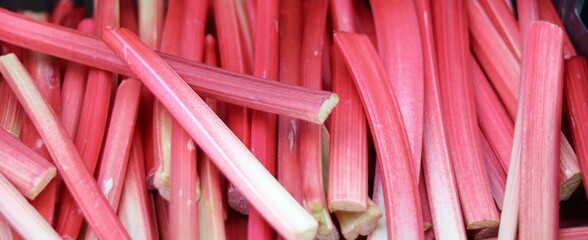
point(327, 107)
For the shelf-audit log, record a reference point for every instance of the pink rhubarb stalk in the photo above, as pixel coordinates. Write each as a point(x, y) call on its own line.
point(459, 113)
point(232, 57)
point(576, 97)
point(439, 177)
point(403, 212)
point(21, 215)
point(117, 146)
point(540, 109)
point(288, 169)
point(309, 148)
point(25, 169)
point(264, 125)
point(69, 163)
point(232, 157)
point(256, 93)
point(134, 208)
point(348, 173)
point(399, 48)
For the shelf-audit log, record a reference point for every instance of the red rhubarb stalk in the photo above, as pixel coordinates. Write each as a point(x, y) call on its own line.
point(288, 170)
point(527, 13)
point(185, 189)
point(73, 88)
point(80, 183)
point(504, 73)
point(505, 23)
point(256, 93)
point(210, 205)
point(496, 173)
point(576, 97)
point(309, 148)
point(540, 112)
point(232, 57)
point(45, 73)
point(403, 212)
point(264, 125)
point(548, 13)
point(459, 112)
point(348, 173)
point(399, 48)
point(92, 123)
point(574, 233)
point(117, 146)
point(232, 157)
point(439, 177)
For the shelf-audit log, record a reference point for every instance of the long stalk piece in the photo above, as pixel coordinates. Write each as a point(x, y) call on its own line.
point(281, 210)
point(240, 89)
point(459, 112)
point(403, 212)
point(69, 163)
point(540, 112)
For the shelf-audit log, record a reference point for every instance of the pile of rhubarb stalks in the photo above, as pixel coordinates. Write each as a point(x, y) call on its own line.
point(292, 119)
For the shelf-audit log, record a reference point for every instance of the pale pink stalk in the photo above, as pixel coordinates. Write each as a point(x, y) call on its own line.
point(399, 48)
point(5, 230)
point(256, 93)
point(21, 215)
point(134, 208)
point(69, 163)
point(151, 21)
point(403, 212)
point(232, 157)
point(24, 168)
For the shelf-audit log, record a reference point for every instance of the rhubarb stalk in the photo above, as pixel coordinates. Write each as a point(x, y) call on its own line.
point(400, 51)
point(134, 208)
point(540, 109)
point(69, 163)
point(263, 125)
point(288, 169)
point(576, 97)
point(439, 177)
point(348, 173)
point(117, 146)
point(403, 212)
point(256, 93)
point(25, 169)
point(21, 215)
point(232, 57)
point(280, 210)
point(309, 148)
point(459, 113)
